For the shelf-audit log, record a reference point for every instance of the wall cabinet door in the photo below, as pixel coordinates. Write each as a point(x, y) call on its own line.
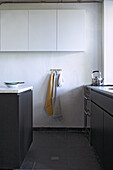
point(14, 30)
point(108, 141)
point(70, 30)
point(42, 30)
point(97, 129)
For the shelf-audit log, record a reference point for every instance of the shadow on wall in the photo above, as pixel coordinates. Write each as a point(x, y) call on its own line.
point(72, 106)
point(71, 102)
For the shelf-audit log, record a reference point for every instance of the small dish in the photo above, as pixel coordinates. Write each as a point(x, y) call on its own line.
point(13, 84)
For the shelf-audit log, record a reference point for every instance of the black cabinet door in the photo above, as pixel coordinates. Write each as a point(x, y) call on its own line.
point(108, 141)
point(25, 122)
point(97, 129)
point(9, 132)
point(15, 128)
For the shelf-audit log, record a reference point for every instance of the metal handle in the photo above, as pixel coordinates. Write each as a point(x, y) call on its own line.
point(86, 98)
point(87, 113)
point(96, 71)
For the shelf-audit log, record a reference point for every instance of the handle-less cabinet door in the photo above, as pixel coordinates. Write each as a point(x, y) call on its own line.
point(71, 30)
point(15, 128)
point(14, 30)
point(97, 116)
point(42, 30)
point(108, 141)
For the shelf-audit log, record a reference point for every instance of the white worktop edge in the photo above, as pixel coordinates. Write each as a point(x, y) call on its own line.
point(18, 89)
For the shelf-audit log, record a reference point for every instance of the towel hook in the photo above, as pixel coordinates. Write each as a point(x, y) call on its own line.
point(55, 70)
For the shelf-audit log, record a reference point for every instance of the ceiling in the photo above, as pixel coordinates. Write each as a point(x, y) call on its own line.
point(37, 1)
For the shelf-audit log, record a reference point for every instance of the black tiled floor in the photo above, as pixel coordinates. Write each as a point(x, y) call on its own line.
point(60, 150)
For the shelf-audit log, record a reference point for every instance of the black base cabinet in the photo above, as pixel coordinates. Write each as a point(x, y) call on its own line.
point(15, 128)
point(102, 127)
point(97, 130)
point(108, 141)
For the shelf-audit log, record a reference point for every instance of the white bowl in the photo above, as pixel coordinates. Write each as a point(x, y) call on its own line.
point(13, 84)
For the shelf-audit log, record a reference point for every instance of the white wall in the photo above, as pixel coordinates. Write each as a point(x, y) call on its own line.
point(33, 68)
point(108, 41)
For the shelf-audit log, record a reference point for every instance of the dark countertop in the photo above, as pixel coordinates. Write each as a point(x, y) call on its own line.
point(107, 89)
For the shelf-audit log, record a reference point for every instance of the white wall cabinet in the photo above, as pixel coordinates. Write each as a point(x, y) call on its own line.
point(42, 30)
point(14, 30)
point(71, 30)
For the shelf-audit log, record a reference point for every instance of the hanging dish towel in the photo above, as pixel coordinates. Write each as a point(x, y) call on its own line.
point(49, 106)
point(56, 98)
point(60, 79)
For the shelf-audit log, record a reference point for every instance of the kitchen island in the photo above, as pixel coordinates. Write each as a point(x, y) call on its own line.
point(102, 123)
point(15, 125)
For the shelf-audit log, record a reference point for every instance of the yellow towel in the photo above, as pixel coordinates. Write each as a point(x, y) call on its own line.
point(49, 107)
